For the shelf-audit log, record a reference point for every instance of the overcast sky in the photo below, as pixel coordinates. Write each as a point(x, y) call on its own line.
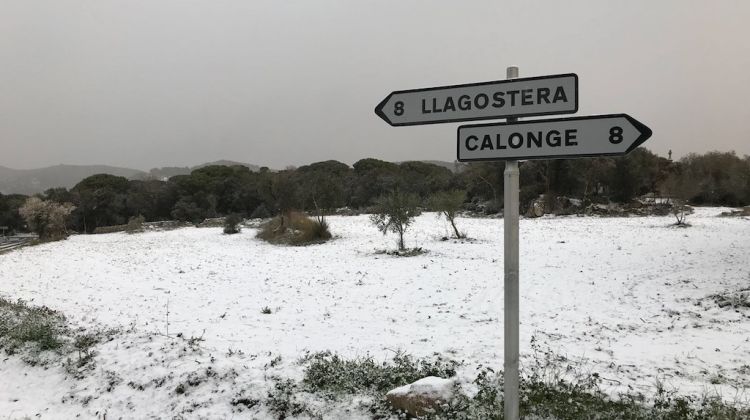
point(150, 83)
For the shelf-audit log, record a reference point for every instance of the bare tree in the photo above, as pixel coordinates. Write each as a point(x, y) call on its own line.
point(678, 189)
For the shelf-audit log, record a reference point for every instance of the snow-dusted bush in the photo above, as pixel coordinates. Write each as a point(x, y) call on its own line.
point(551, 388)
point(328, 371)
point(21, 324)
point(47, 219)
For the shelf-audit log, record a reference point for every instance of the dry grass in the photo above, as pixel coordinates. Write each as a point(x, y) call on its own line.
point(294, 228)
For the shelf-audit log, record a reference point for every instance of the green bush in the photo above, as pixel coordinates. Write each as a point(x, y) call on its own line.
point(260, 212)
point(395, 212)
point(550, 389)
point(330, 372)
point(21, 324)
point(282, 399)
point(232, 224)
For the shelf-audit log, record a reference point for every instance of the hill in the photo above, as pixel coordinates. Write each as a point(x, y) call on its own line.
point(33, 181)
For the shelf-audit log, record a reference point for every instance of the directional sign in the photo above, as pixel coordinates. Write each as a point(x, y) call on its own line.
point(560, 138)
point(525, 97)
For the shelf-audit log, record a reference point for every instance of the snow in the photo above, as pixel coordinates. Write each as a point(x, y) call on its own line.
point(623, 297)
point(432, 387)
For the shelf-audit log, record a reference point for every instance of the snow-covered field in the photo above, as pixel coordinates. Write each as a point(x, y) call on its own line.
point(624, 297)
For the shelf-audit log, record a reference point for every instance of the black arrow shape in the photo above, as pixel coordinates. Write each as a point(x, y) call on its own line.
point(645, 132)
point(379, 109)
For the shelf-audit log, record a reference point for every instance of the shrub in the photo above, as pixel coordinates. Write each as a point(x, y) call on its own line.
point(329, 372)
point(448, 203)
point(135, 224)
point(294, 228)
point(283, 401)
point(550, 389)
point(232, 224)
point(46, 218)
point(21, 324)
point(395, 212)
point(186, 210)
point(27, 330)
point(38, 329)
point(679, 190)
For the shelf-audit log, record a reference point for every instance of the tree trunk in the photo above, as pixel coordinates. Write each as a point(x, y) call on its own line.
point(455, 229)
point(679, 214)
point(282, 223)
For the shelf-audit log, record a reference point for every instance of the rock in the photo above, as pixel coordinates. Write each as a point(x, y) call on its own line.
point(422, 396)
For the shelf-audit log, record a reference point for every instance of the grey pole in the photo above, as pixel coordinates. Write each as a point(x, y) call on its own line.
point(510, 219)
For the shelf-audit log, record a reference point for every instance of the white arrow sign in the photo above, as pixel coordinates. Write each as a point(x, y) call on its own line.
point(560, 138)
point(531, 96)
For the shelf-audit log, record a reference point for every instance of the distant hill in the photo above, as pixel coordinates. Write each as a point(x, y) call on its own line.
point(32, 181)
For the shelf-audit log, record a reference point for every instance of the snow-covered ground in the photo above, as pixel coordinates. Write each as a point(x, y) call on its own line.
point(623, 297)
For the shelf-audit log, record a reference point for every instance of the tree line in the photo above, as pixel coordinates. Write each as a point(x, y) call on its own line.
point(714, 178)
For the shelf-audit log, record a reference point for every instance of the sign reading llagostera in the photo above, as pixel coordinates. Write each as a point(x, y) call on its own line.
point(545, 95)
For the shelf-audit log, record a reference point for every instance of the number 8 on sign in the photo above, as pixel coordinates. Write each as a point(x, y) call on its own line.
point(615, 135)
point(398, 108)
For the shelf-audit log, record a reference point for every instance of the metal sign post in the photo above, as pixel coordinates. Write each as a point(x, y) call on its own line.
point(510, 261)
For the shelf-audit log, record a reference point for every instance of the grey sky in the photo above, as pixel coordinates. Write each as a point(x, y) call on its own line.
point(145, 83)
